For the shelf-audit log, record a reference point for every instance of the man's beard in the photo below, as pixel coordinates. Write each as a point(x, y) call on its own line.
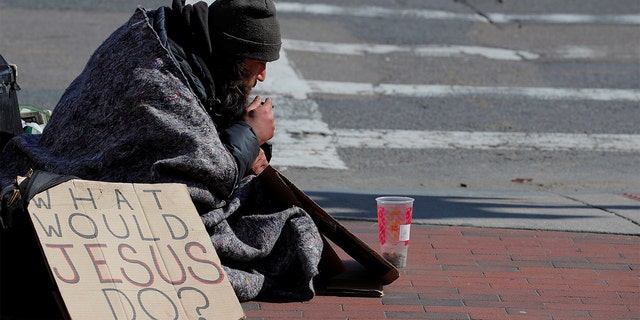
point(230, 102)
point(232, 95)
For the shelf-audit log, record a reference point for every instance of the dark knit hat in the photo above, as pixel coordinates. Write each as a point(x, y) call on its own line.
point(246, 28)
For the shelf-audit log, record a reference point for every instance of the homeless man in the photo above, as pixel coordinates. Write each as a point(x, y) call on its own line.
point(164, 100)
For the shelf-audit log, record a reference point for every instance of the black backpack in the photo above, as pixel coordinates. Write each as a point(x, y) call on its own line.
point(10, 122)
point(24, 274)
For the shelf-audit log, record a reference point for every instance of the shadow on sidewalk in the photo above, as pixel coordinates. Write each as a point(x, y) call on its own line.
point(348, 205)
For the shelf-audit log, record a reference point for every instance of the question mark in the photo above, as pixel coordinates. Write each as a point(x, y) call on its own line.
point(206, 300)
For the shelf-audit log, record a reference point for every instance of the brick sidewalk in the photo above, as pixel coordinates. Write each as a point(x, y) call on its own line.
point(485, 273)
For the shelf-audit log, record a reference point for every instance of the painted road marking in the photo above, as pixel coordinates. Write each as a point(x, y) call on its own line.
point(307, 143)
point(310, 143)
point(420, 51)
point(560, 18)
point(415, 139)
point(570, 52)
point(303, 139)
point(438, 91)
point(375, 11)
point(284, 80)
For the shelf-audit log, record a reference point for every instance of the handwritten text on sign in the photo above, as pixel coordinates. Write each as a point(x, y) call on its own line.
point(131, 251)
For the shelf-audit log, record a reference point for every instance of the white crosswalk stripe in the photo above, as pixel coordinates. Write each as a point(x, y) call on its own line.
point(303, 139)
point(421, 51)
point(432, 91)
point(413, 139)
point(375, 11)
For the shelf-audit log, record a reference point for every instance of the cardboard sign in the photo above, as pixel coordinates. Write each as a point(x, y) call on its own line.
point(131, 251)
point(331, 228)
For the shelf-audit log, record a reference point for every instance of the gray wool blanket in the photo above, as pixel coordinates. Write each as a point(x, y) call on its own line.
point(131, 116)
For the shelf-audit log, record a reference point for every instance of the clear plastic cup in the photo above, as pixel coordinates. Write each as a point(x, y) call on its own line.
point(394, 226)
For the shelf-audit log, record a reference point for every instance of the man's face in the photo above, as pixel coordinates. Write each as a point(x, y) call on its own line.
point(257, 71)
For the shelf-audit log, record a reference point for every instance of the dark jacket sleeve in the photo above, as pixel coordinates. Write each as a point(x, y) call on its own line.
point(242, 142)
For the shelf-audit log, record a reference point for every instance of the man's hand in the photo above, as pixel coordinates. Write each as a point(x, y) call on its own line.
point(260, 164)
point(259, 115)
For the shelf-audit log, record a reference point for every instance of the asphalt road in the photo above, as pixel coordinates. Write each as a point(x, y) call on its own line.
point(509, 95)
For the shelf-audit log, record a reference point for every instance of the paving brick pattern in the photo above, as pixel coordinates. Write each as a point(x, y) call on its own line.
point(485, 273)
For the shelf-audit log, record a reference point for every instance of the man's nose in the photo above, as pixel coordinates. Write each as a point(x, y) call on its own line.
point(262, 75)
